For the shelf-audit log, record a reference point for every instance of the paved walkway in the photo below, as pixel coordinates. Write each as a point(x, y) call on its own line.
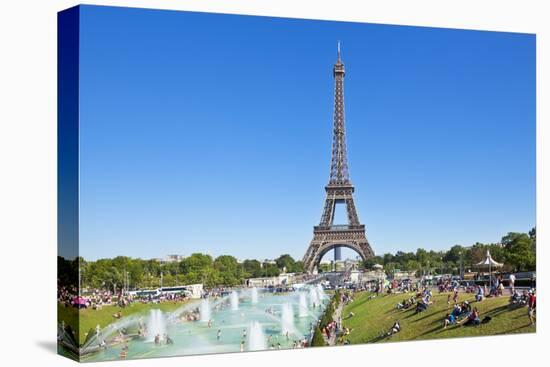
point(337, 316)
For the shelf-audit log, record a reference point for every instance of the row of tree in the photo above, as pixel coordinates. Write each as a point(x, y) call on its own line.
point(516, 250)
point(125, 272)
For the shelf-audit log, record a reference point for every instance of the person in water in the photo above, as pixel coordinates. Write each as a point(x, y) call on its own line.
point(168, 339)
point(219, 334)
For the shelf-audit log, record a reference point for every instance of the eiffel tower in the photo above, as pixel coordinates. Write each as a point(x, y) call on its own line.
point(327, 236)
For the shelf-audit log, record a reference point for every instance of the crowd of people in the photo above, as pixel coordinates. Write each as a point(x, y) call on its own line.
point(462, 312)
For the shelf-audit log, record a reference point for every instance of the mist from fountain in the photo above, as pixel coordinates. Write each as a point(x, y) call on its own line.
point(313, 297)
point(256, 338)
point(254, 295)
point(287, 319)
point(303, 312)
point(321, 292)
point(234, 300)
point(156, 324)
point(288, 316)
point(205, 311)
point(105, 334)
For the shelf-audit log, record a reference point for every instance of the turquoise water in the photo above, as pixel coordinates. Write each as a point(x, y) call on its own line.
point(234, 325)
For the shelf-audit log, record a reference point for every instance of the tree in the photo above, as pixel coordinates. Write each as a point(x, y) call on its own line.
point(270, 270)
point(519, 251)
point(253, 268)
point(198, 268)
point(285, 262)
point(317, 340)
point(229, 270)
point(370, 262)
point(454, 254)
point(298, 267)
point(422, 256)
point(411, 265)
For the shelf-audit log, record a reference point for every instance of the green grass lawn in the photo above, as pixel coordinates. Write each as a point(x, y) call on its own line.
point(378, 314)
point(89, 318)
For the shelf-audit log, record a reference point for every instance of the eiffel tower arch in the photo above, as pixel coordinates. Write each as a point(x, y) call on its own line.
point(327, 236)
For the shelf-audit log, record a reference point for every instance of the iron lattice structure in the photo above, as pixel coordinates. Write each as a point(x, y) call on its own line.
point(327, 236)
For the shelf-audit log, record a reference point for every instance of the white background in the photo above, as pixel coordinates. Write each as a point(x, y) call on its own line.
point(28, 179)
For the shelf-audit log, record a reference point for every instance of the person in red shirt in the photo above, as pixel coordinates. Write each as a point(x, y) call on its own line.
point(532, 306)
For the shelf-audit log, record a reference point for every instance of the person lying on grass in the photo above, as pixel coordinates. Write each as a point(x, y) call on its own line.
point(449, 320)
point(406, 303)
point(395, 328)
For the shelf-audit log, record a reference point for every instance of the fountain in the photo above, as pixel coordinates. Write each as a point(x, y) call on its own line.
point(303, 305)
point(287, 313)
point(287, 319)
point(254, 295)
point(256, 339)
point(313, 297)
point(205, 310)
point(321, 292)
point(156, 325)
point(234, 300)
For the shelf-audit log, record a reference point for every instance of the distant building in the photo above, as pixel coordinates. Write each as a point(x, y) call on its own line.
point(173, 258)
point(282, 279)
point(195, 289)
point(170, 259)
point(402, 274)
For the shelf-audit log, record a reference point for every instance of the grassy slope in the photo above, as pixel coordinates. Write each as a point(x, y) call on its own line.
point(90, 318)
point(373, 316)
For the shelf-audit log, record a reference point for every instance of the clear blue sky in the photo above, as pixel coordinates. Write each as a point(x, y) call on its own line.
point(212, 133)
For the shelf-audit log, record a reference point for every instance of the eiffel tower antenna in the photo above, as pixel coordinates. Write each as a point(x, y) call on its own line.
point(327, 236)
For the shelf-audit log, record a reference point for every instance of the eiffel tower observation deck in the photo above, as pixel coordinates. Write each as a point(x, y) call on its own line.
point(328, 236)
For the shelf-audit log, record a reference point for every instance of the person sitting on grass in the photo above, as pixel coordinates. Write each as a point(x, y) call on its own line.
point(515, 297)
point(465, 307)
point(457, 310)
point(462, 310)
point(449, 320)
point(472, 319)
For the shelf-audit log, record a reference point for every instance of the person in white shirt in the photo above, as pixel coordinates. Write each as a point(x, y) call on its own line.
point(512, 282)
